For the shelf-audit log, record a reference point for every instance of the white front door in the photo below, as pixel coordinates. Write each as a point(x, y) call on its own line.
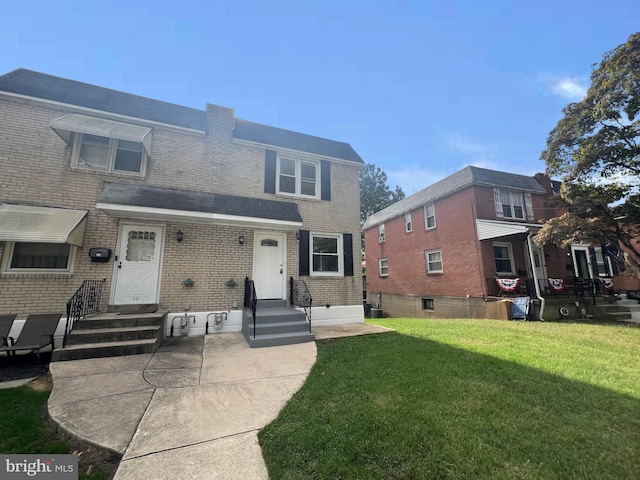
point(539, 266)
point(582, 262)
point(269, 265)
point(137, 266)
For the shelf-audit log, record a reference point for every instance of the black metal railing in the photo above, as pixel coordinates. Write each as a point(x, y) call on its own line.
point(251, 300)
point(301, 297)
point(85, 301)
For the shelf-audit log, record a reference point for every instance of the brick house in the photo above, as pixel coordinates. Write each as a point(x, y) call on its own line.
point(439, 252)
point(183, 204)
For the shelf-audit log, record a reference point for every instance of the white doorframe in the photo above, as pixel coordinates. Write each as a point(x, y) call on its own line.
point(281, 238)
point(159, 250)
point(576, 260)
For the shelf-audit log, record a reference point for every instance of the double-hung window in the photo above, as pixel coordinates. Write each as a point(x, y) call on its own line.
point(503, 254)
point(383, 267)
point(109, 154)
point(512, 205)
point(298, 177)
point(429, 216)
point(28, 257)
point(381, 233)
point(326, 254)
point(434, 261)
point(408, 227)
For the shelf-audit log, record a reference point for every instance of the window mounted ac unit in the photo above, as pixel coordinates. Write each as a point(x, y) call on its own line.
point(381, 238)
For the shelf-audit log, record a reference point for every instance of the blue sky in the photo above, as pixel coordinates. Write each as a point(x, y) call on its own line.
point(420, 88)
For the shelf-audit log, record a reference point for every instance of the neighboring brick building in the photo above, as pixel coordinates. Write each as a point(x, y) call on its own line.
point(438, 252)
point(173, 193)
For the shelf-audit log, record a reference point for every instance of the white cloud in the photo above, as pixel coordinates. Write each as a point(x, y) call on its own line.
point(569, 88)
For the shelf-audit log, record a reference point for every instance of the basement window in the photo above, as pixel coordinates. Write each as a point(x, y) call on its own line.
point(427, 304)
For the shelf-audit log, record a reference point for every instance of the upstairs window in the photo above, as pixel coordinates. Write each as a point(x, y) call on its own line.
point(108, 154)
point(298, 177)
point(513, 205)
point(381, 233)
point(429, 216)
point(408, 227)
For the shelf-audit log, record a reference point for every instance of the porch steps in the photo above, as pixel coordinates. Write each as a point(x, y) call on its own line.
point(631, 306)
point(610, 311)
point(113, 334)
point(276, 324)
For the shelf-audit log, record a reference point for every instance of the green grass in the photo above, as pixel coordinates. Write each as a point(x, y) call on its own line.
point(453, 399)
point(23, 429)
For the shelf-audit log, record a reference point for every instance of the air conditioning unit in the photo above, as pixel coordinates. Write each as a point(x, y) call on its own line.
point(381, 238)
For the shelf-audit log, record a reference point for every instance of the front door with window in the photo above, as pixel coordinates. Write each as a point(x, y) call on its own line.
point(137, 265)
point(269, 265)
point(582, 262)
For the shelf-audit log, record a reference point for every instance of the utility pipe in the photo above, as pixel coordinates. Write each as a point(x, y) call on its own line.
point(535, 277)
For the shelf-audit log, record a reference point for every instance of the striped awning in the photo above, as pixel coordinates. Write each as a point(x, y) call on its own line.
point(21, 223)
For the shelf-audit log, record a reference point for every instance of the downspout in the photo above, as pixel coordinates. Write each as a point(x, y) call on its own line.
point(535, 278)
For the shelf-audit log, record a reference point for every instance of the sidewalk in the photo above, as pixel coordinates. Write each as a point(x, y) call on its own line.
point(192, 410)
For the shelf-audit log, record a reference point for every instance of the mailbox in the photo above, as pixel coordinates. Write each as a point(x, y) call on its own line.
point(100, 254)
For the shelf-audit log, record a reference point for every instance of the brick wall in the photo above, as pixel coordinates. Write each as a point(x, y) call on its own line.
point(36, 169)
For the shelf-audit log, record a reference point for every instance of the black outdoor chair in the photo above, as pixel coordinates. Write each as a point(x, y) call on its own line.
point(6, 321)
point(37, 333)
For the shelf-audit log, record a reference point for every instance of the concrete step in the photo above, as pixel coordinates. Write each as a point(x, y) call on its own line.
point(279, 327)
point(106, 320)
point(277, 315)
point(107, 349)
point(271, 304)
point(103, 335)
point(280, 339)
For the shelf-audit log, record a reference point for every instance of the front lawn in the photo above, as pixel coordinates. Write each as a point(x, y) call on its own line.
point(465, 399)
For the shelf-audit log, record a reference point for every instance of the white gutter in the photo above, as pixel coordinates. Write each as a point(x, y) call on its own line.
point(535, 277)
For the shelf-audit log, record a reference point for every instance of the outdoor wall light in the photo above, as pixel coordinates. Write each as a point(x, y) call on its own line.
point(179, 236)
point(298, 235)
point(241, 240)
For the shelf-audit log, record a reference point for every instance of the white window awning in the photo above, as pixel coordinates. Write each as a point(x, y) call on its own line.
point(21, 223)
point(488, 229)
point(102, 127)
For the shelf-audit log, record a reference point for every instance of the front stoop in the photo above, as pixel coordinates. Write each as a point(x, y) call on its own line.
point(611, 310)
point(113, 334)
point(276, 324)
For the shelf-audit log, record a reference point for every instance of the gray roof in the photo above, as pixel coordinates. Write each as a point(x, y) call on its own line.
point(453, 183)
point(57, 89)
point(278, 137)
point(174, 199)
point(48, 87)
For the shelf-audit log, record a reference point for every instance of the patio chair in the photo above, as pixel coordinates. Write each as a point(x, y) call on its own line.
point(37, 332)
point(6, 321)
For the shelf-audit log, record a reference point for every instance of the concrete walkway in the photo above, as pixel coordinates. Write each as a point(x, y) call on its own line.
point(192, 410)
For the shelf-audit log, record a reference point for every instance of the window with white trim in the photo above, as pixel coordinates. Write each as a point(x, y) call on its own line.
point(108, 154)
point(28, 257)
point(503, 254)
point(433, 259)
point(383, 267)
point(512, 205)
point(603, 263)
point(408, 227)
point(298, 177)
point(326, 254)
point(429, 216)
point(381, 233)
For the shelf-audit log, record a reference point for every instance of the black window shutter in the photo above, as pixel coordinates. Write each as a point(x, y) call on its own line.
point(269, 171)
point(303, 249)
point(325, 180)
point(347, 245)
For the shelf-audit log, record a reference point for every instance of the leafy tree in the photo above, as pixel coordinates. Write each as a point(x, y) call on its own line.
point(594, 148)
point(374, 192)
